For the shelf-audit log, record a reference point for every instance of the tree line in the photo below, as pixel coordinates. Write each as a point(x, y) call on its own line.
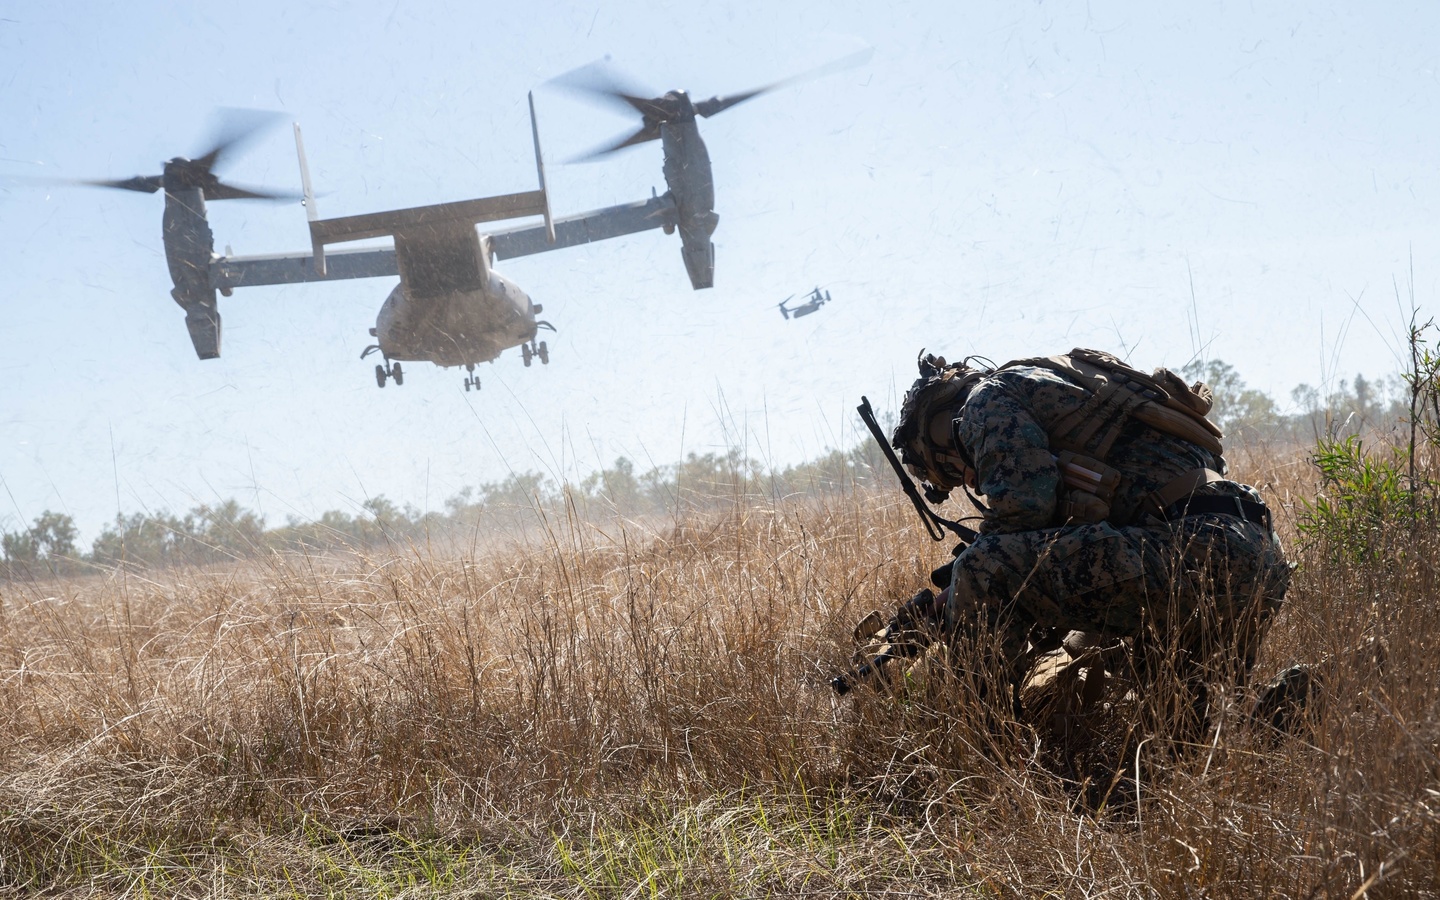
point(211, 533)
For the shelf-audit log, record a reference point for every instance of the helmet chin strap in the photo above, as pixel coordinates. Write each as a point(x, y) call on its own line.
point(955, 468)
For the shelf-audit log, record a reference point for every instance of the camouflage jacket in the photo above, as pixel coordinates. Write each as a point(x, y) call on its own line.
point(1004, 427)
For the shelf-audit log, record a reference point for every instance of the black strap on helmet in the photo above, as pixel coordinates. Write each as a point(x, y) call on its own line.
point(934, 522)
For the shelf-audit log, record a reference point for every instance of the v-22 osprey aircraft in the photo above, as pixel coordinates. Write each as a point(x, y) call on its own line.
point(451, 307)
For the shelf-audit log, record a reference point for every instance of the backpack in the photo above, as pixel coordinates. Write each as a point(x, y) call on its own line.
point(1084, 437)
point(1117, 391)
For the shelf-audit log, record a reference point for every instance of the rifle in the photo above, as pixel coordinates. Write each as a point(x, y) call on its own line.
point(934, 522)
point(912, 628)
point(907, 634)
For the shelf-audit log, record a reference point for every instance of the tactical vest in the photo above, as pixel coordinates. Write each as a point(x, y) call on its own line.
point(1083, 438)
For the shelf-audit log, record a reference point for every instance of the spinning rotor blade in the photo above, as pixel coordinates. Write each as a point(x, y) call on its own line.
point(222, 191)
point(597, 80)
point(720, 103)
point(213, 188)
point(708, 108)
point(143, 184)
point(647, 132)
point(236, 127)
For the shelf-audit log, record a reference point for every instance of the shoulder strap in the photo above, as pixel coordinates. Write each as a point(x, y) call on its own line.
point(1178, 488)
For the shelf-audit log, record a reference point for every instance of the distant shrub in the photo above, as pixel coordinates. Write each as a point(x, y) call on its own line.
point(1371, 502)
point(1363, 499)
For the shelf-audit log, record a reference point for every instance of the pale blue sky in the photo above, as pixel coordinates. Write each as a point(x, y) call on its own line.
point(1000, 178)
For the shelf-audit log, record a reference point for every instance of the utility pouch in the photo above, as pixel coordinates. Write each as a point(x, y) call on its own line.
point(1087, 486)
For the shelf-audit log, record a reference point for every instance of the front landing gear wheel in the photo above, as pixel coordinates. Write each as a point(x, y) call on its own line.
point(526, 354)
point(386, 372)
point(544, 353)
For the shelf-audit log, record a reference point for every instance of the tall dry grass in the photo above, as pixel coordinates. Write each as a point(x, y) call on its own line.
point(623, 708)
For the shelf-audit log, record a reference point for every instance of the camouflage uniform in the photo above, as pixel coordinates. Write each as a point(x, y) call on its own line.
point(1203, 584)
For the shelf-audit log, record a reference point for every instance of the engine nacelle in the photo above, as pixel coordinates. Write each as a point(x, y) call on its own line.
point(699, 261)
point(204, 326)
point(189, 247)
point(688, 175)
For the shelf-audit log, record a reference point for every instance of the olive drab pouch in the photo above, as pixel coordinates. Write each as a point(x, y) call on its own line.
point(1087, 487)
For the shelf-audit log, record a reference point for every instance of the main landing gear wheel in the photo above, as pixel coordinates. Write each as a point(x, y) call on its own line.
point(382, 373)
point(471, 380)
point(530, 351)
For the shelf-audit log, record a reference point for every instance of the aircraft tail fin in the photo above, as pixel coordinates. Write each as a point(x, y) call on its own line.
point(310, 211)
point(540, 170)
point(317, 248)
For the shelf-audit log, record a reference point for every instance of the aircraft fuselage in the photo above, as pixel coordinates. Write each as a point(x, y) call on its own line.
point(457, 328)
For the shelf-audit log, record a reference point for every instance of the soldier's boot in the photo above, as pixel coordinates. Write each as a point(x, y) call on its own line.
point(1282, 703)
point(1297, 696)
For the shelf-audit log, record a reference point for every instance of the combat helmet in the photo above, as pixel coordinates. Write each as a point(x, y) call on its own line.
point(923, 432)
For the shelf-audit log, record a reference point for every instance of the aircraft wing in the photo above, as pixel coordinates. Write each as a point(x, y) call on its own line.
point(418, 220)
point(585, 228)
point(230, 272)
point(437, 249)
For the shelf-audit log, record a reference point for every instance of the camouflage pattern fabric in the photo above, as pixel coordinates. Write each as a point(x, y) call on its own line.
point(1207, 584)
point(1003, 428)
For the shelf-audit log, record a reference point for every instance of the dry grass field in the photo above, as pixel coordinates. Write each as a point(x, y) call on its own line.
point(625, 709)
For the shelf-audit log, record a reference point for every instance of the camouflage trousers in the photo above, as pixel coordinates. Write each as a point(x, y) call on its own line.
point(1203, 587)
